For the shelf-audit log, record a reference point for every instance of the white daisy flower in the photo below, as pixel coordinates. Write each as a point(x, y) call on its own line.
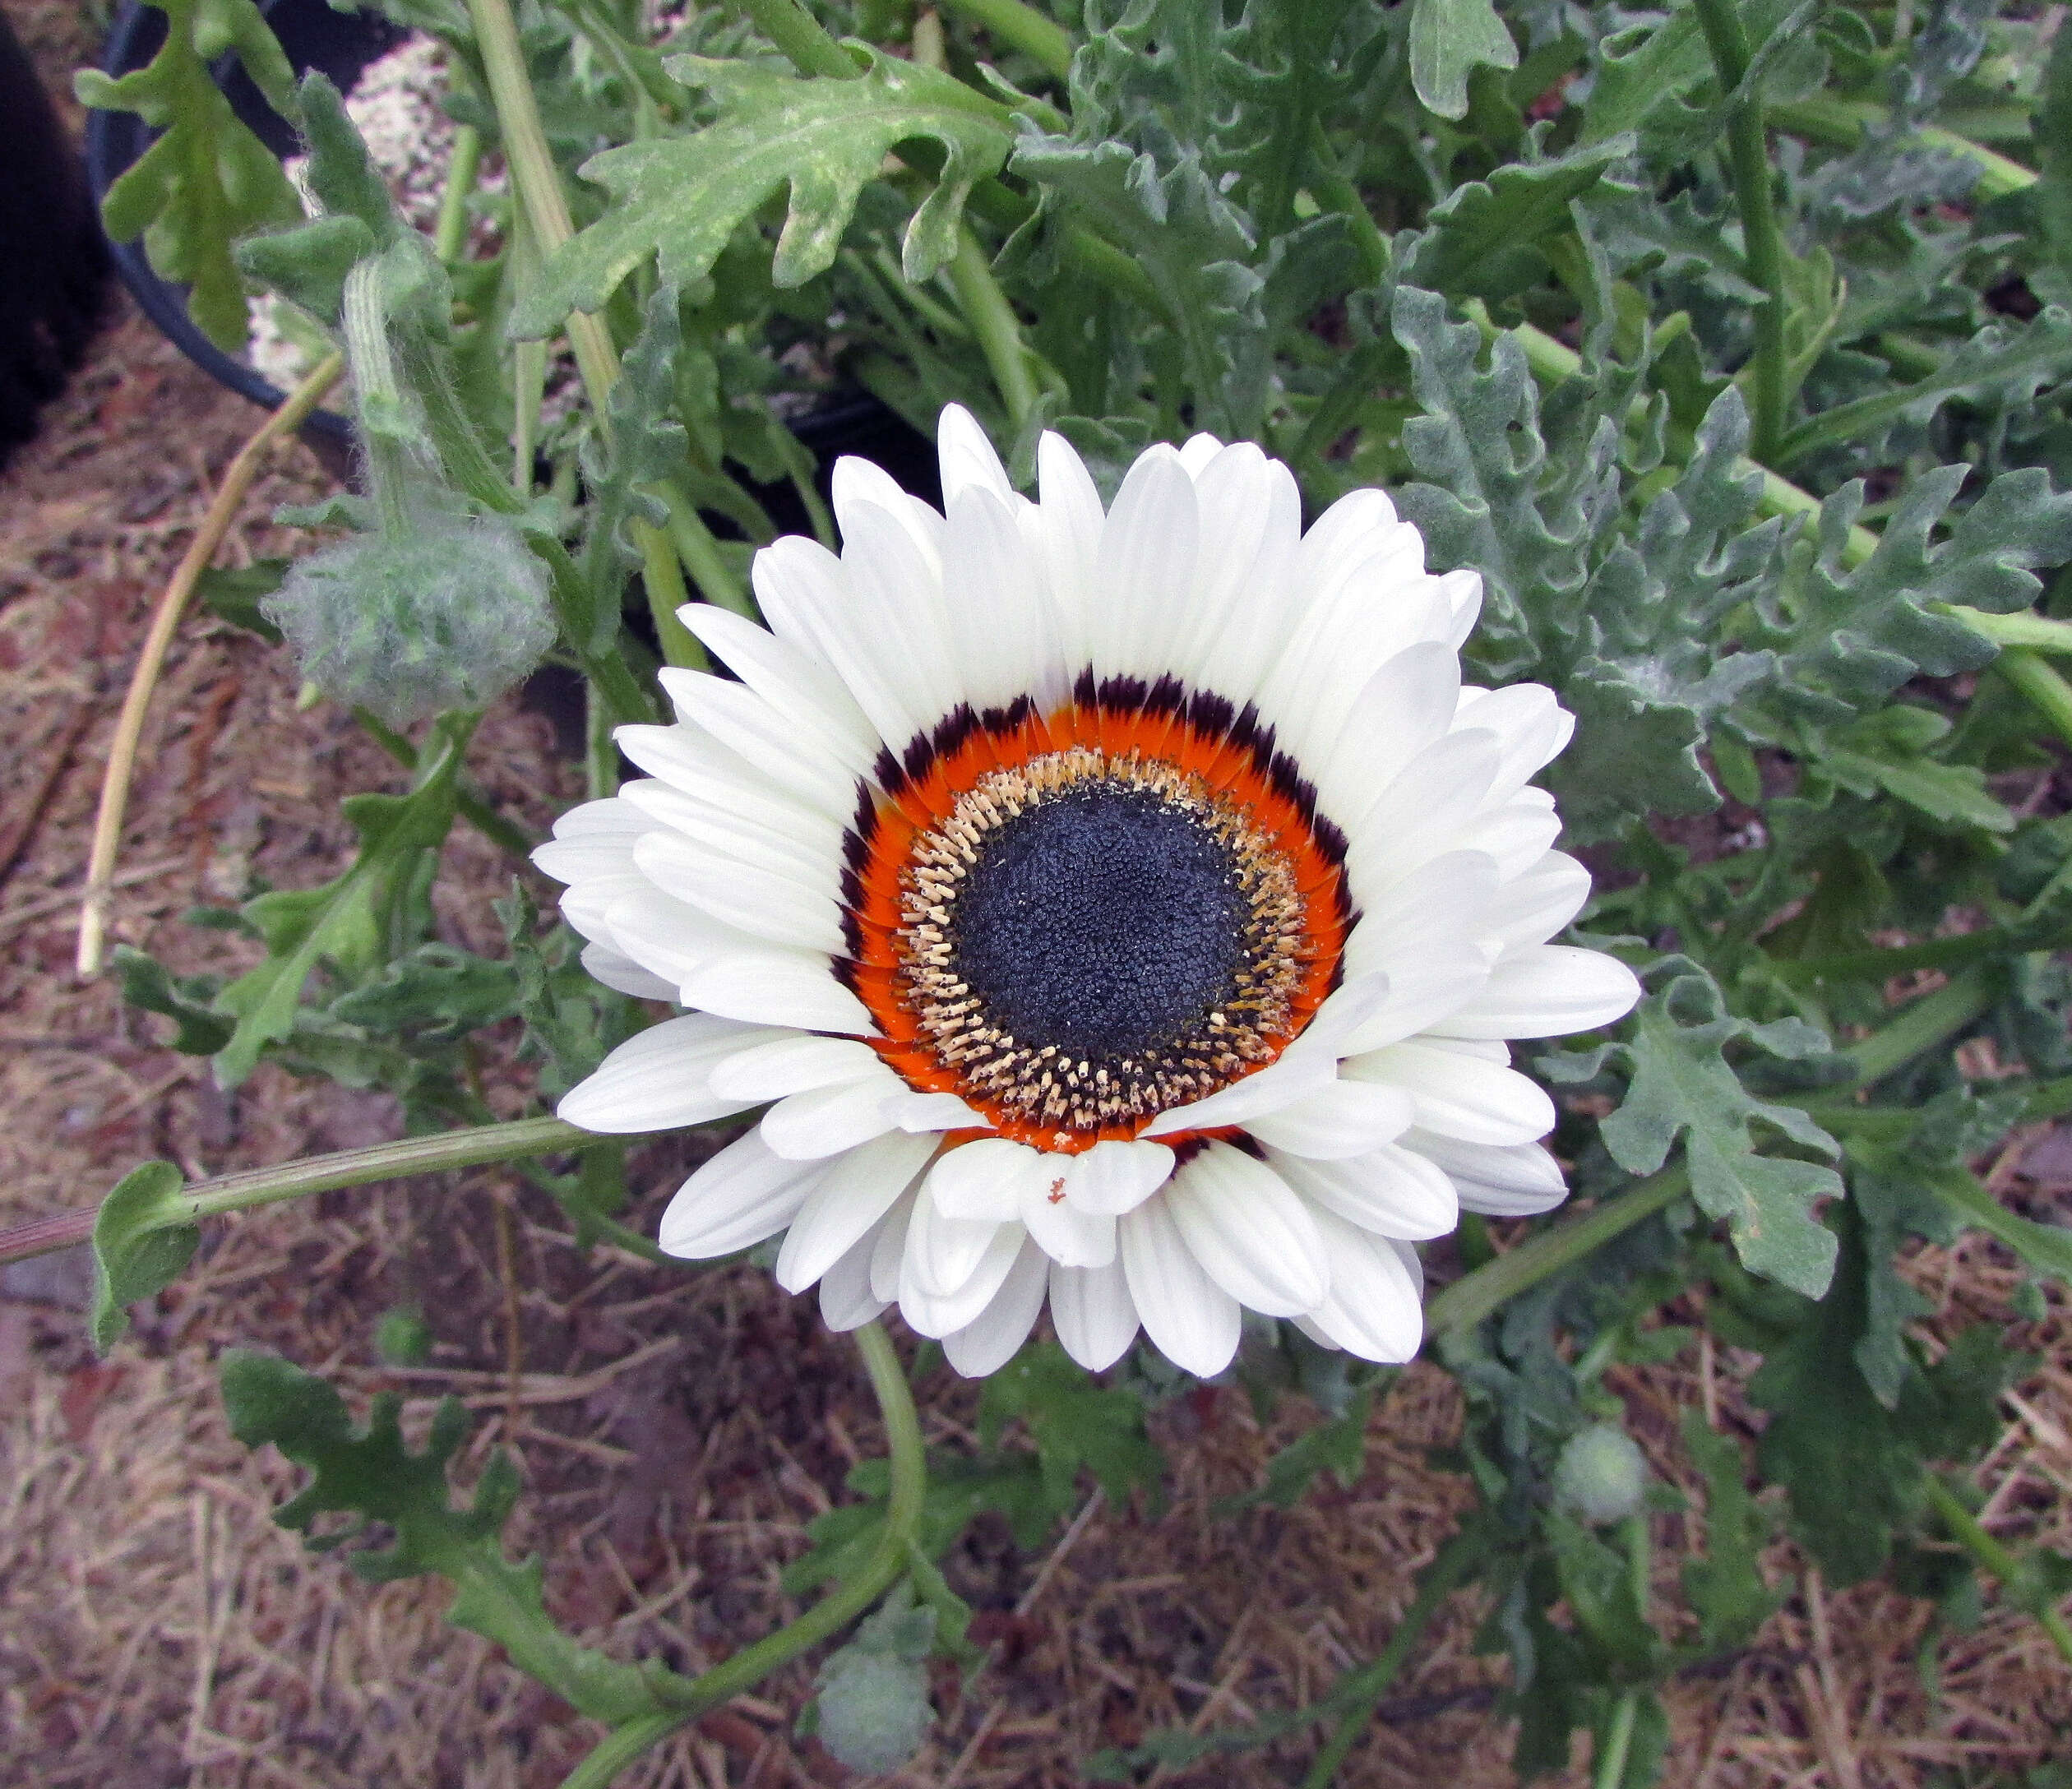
point(1126, 909)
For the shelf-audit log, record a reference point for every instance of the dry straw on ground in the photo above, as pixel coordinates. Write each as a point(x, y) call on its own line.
point(678, 1430)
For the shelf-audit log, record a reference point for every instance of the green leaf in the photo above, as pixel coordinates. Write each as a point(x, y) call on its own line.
point(206, 179)
point(233, 593)
point(144, 1236)
point(1724, 1585)
point(2052, 196)
point(682, 198)
point(432, 997)
point(372, 1473)
point(2004, 364)
point(1337, 1446)
point(349, 923)
point(2045, 1247)
point(1641, 69)
point(1683, 1086)
point(1448, 40)
point(1075, 1423)
point(1847, 638)
point(1481, 238)
point(146, 982)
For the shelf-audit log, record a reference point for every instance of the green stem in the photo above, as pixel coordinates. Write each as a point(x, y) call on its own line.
point(538, 185)
point(1357, 1692)
point(1043, 41)
point(888, 1559)
point(1965, 948)
point(1473, 1297)
point(694, 544)
point(1971, 1536)
point(993, 321)
point(450, 1150)
point(2047, 691)
point(1611, 1769)
point(468, 799)
point(1932, 1020)
point(1749, 153)
point(1843, 123)
point(450, 235)
point(798, 36)
point(1334, 192)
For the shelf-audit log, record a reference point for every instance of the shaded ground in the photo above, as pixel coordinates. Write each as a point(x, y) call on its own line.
point(676, 1430)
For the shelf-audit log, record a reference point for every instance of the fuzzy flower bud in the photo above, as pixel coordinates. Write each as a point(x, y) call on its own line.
point(446, 614)
point(1601, 1475)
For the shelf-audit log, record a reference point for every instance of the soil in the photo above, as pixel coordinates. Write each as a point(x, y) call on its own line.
point(676, 1430)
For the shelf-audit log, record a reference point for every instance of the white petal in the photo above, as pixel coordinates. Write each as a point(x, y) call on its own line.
point(1519, 1181)
point(858, 484)
point(1547, 991)
point(900, 609)
point(1461, 1095)
point(1062, 1231)
point(1532, 907)
point(934, 1111)
point(1145, 568)
point(798, 684)
point(1190, 1320)
point(1425, 985)
point(804, 1127)
point(605, 962)
point(745, 723)
point(661, 1078)
point(967, 457)
point(940, 1313)
point(1115, 1177)
point(1517, 834)
point(742, 1195)
point(854, 1195)
point(780, 837)
point(1406, 707)
point(1091, 1308)
point(792, 1064)
point(763, 903)
point(1463, 591)
point(1001, 629)
point(988, 1342)
point(592, 840)
point(1281, 1083)
point(1197, 452)
point(772, 986)
point(888, 1253)
point(1392, 1191)
point(1439, 792)
point(981, 1182)
point(1375, 1308)
point(1068, 523)
point(1344, 1118)
point(806, 592)
point(846, 1300)
point(1533, 725)
point(943, 1252)
point(1251, 526)
point(1253, 1235)
point(687, 760)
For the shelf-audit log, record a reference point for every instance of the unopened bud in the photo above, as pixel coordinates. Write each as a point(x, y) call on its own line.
point(1601, 1475)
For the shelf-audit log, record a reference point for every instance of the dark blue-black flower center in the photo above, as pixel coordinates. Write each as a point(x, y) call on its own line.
point(1106, 922)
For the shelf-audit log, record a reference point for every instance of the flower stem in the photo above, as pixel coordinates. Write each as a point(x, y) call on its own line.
point(1971, 1535)
point(450, 235)
point(2046, 691)
point(887, 1561)
point(1358, 1691)
point(469, 800)
point(1043, 41)
point(1930, 1020)
point(449, 1149)
point(1611, 1769)
point(799, 36)
point(1843, 123)
point(993, 321)
point(165, 621)
point(537, 180)
point(1748, 154)
point(1474, 1296)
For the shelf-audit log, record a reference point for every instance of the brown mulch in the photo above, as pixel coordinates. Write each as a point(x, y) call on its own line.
point(676, 1430)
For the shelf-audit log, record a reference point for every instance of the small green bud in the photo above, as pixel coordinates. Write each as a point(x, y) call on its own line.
point(874, 1709)
point(403, 1337)
point(446, 614)
point(1601, 1475)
